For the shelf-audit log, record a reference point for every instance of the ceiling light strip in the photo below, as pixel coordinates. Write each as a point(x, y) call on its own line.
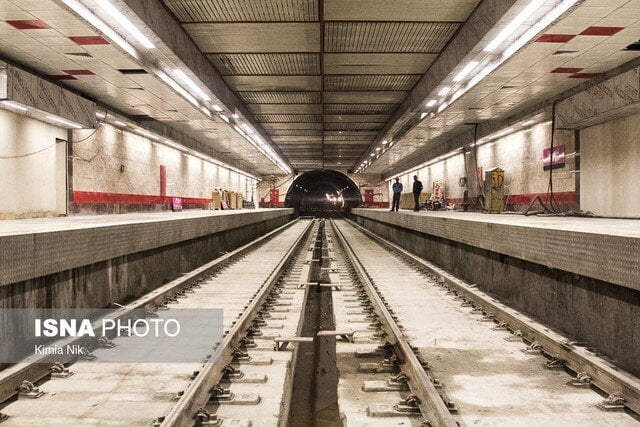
point(125, 23)
point(562, 7)
point(88, 16)
point(193, 86)
point(169, 143)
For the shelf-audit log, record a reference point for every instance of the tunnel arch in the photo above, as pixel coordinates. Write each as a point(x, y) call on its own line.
point(323, 191)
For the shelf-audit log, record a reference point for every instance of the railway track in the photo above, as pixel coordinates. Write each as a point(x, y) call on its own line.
point(484, 358)
point(326, 324)
point(241, 283)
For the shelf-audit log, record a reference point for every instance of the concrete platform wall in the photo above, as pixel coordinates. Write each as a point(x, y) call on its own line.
point(32, 167)
point(585, 309)
point(520, 154)
point(117, 171)
point(125, 277)
point(609, 174)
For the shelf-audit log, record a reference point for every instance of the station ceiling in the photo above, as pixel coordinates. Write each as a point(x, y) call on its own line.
point(322, 77)
point(324, 81)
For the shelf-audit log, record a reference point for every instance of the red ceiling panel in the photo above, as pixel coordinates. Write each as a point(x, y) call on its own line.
point(88, 40)
point(79, 72)
point(601, 31)
point(567, 70)
point(28, 24)
point(63, 77)
point(555, 38)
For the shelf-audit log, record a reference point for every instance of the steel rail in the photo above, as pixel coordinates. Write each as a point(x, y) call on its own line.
point(35, 368)
point(198, 394)
point(432, 406)
point(604, 376)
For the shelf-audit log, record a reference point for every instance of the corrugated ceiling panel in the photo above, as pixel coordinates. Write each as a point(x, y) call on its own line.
point(294, 139)
point(295, 132)
point(353, 126)
point(267, 63)
point(388, 36)
point(360, 108)
point(243, 10)
point(280, 97)
point(288, 118)
point(347, 138)
point(370, 82)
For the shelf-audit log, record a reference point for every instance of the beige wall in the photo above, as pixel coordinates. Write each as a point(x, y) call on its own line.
point(33, 185)
point(518, 153)
point(98, 158)
point(610, 173)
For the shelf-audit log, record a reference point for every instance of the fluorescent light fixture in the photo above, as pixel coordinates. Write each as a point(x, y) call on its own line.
point(119, 123)
point(423, 115)
point(100, 115)
point(372, 154)
point(225, 118)
point(146, 134)
point(445, 90)
point(465, 71)
point(431, 103)
point(247, 128)
point(457, 94)
point(168, 80)
point(561, 7)
point(385, 142)
point(528, 123)
point(206, 112)
point(125, 23)
point(216, 108)
point(65, 122)
point(88, 16)
point(14, 105)
point(192, 85)
point(540, 25)
point(514, 24)
point(377, 148)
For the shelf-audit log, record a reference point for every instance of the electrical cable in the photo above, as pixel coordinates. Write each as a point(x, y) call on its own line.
point(33, 153)
point(28, 154)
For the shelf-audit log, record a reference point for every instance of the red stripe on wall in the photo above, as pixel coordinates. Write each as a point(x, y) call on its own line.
point(85, 197)
point(563, 198)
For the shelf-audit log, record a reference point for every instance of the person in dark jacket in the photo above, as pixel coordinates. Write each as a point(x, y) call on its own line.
point(397, 192)
point(417, 189)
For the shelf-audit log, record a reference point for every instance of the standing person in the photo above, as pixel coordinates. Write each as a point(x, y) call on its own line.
point(397, 192)
point(417, 189)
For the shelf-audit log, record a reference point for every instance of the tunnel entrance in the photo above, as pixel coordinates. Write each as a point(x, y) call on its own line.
point(323, 192)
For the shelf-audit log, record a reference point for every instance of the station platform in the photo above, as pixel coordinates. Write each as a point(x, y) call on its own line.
point(600, 248)
point(31, 248)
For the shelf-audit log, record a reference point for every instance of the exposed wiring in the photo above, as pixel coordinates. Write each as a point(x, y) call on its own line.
point(100, 123)
point(19, 156)
point(33, 153)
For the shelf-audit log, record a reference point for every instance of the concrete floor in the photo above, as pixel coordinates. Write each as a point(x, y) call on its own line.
point(608, 226)
point(77, 222)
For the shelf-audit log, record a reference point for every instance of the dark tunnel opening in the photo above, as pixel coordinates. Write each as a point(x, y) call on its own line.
point(318, 192)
